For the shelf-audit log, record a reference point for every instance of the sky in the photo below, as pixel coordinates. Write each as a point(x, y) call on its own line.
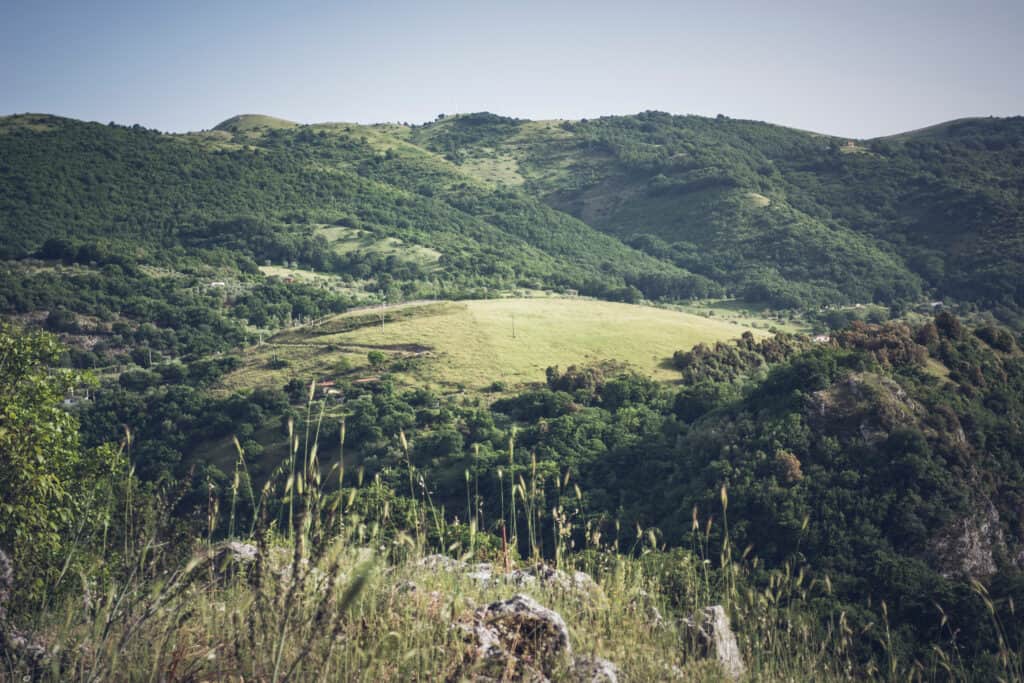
point(856, 69)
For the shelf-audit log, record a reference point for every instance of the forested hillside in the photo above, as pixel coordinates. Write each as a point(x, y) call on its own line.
point(273, 194)
point(707, 207)
point(779, 214)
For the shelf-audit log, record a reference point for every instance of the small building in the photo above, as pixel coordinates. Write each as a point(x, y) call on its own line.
point(821, 339)
point(218, 283)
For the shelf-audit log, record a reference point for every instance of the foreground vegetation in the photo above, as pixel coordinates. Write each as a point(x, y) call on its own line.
point(814, 490)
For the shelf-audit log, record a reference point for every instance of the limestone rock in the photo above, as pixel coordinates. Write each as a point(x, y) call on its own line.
point(576, 582)
point(442, 562)
point(516, 639)
point(235, 552)
point(968, 546)
point(233, 559)
point(717, 639)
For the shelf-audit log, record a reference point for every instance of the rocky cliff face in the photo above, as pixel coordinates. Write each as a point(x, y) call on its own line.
point(869, 407)
point(865, 405)
point(970, 546)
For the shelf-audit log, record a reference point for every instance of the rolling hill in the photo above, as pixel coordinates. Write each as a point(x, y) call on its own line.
point(653, 205)
point(775, 213)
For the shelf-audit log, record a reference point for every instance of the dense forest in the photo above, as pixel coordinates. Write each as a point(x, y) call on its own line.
point(880, 462)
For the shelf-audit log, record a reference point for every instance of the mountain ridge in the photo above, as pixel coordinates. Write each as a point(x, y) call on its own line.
point(717, 206)
point(257, 120)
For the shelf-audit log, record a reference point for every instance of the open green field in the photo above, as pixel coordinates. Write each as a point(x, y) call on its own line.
point(472, 344)
point(329, 281)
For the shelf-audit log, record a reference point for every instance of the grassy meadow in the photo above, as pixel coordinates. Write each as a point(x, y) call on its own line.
point(472, 344)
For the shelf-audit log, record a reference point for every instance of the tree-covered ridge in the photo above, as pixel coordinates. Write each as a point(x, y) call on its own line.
point(709, 206)
point(168, 195)
point(789, 216)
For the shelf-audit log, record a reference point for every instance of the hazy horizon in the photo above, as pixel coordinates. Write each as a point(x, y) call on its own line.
point(861, 71)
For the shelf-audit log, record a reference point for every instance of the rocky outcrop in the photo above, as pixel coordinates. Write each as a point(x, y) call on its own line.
point(521, 640)
point(232, 555)
point(593, 670)
point(480, 571)
point(864, 404)
point(233, 559)
point(515, 639)
point(576, 584)
point(715, 638)
point(442, 562)
point(968, 547)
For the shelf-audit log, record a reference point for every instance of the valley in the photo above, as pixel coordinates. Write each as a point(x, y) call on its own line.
point(701, 359)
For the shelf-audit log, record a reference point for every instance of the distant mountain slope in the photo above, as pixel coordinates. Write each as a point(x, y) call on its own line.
point(665, 206)
point(778, 213)
point(159, 193)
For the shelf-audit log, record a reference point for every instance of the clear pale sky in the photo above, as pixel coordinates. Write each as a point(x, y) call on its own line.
point(858, 69)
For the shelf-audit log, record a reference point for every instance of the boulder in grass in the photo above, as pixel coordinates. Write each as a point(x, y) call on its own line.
point(232, 558)
point(516, 639)
point(716, 639)
point(443, 562)
point(238, 552)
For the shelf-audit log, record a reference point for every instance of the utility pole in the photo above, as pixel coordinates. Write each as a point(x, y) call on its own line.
point(513, 325)
point(383, 302)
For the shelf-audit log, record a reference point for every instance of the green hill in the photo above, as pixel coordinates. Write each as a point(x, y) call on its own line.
point(245, 123)
point(934, 211)
point(159, 196)
point(675, 206)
